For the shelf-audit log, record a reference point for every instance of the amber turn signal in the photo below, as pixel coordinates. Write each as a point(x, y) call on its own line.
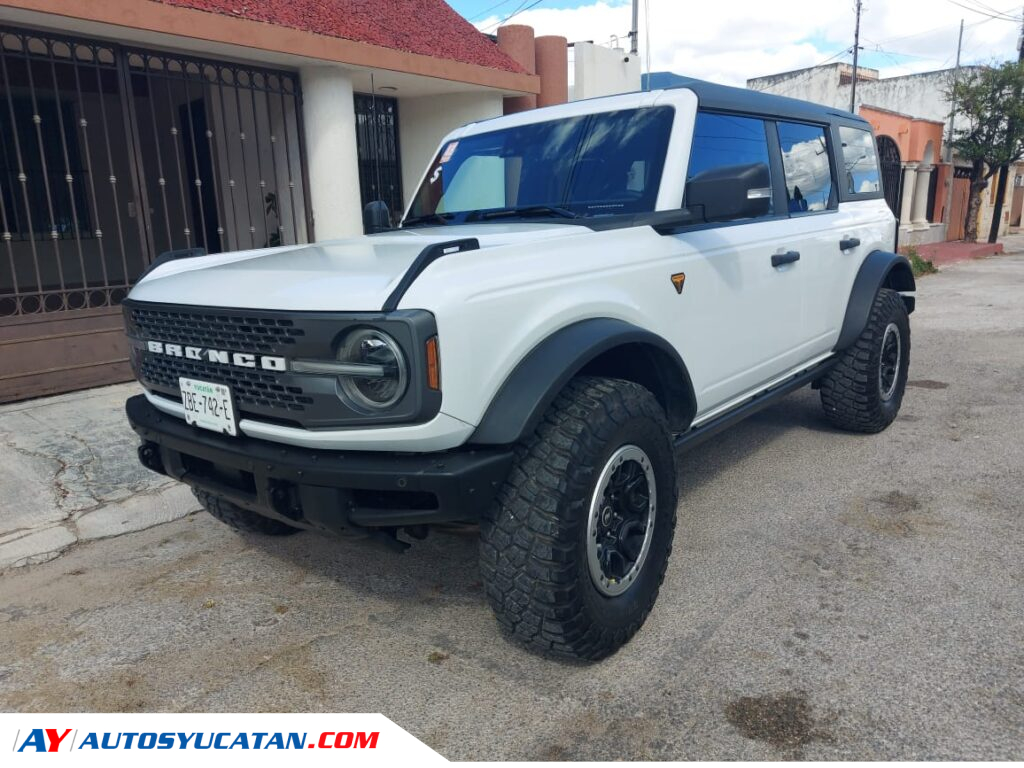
point(433, 364)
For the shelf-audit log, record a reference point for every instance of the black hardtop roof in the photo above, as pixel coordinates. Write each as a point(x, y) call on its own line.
point(729, 99)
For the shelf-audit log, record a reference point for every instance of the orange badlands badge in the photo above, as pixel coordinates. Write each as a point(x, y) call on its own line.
point(677, 280)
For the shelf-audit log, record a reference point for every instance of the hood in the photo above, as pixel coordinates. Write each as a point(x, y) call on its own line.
point(356, 274)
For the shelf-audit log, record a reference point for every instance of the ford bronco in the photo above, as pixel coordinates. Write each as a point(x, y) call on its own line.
point(574, 294)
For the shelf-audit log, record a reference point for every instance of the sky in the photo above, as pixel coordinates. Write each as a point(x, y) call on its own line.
point(733, 40)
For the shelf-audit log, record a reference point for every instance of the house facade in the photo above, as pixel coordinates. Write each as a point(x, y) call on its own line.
point(910, 115)
point(133, 128)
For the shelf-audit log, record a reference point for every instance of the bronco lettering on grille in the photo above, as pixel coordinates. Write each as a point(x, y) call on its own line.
point(221, 356)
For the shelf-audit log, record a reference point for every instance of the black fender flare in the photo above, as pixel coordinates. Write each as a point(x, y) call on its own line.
point(520, 403)
point(881, 269)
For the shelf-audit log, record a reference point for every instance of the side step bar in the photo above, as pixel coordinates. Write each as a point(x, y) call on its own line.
point(694, 437)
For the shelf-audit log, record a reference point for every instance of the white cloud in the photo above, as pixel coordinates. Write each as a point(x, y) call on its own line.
point(732, 41)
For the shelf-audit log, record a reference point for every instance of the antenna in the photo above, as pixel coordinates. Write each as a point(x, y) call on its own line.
point(634, 31)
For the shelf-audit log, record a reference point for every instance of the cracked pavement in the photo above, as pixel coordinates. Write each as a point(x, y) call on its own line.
point(69, 474)
point(829, 596)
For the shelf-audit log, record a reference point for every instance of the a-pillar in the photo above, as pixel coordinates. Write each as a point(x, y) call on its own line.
point(919, 216)
point(328, 112)
point(909, 179)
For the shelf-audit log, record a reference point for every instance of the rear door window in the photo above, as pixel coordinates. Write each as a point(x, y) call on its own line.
point(860, 161)
point(805, 163)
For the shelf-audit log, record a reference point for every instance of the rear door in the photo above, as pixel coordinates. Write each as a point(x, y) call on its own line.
point(815, 230)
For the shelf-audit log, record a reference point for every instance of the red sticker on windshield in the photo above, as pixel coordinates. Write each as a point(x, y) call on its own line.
point(449, 151)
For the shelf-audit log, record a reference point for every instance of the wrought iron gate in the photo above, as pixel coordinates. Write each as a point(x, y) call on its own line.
point(891, 171)
point(110, 156)
point(380, 164)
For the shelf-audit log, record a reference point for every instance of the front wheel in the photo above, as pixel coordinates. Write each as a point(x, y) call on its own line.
point(864, 390)
point(575, 548)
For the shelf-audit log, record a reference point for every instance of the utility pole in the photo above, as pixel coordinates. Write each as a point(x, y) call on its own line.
point(1004, 170)
point(856, 50)
point(948, 207)
point(634, 32)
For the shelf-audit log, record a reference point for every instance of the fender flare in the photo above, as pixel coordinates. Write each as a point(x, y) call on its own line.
point(881, 269)
point(520, 403)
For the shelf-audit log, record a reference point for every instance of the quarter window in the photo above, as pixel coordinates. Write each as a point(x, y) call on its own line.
point(806, 166)
point(860, 161)
point(723, 141)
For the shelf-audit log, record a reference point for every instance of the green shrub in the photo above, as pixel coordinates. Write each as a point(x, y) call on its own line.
point(919, 265)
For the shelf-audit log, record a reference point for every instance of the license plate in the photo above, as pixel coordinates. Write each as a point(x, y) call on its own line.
point(208, 405)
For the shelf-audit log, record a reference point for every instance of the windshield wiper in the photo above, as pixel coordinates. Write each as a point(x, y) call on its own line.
point(525, 210)
point(430, 218)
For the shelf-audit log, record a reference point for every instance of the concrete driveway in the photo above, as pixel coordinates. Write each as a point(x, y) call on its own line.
point(829, 596)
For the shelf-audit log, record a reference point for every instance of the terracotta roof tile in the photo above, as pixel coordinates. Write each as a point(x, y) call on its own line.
point(427, 27)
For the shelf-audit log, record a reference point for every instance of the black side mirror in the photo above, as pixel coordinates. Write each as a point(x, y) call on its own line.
point(731, 192)
point(376, 217)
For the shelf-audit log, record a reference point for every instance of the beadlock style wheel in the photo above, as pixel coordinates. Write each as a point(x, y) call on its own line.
point(574, 550)
point(864, 389)
point(621, 520)
point(889, 362)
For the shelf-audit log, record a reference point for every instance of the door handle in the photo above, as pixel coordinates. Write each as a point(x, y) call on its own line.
point(778, 259)
point(848, 242)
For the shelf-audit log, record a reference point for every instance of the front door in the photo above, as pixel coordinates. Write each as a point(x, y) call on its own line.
point(743, 314)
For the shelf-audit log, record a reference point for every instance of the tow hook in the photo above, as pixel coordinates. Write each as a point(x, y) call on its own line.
point(149, 456)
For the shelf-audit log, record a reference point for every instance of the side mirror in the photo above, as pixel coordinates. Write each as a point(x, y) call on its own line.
point(376, 217)
point(732, 192)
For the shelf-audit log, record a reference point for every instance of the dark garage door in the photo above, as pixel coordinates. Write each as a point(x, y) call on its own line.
point(110, 156)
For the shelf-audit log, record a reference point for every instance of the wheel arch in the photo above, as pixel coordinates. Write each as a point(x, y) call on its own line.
point(881, 269)
point(599, 347)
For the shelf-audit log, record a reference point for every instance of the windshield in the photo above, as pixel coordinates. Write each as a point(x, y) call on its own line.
point(601, 164)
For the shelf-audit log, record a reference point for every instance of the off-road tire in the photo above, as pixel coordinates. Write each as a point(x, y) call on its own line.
point(851, 394)
point(242, 519)
point(533, 555)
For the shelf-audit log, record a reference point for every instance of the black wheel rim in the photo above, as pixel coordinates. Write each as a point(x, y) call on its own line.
point(621, 520)
point(889, 362)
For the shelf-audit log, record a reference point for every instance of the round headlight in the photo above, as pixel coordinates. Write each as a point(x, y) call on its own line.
point(386, 375)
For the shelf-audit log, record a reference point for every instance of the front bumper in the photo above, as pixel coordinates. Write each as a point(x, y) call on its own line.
point(334, 491)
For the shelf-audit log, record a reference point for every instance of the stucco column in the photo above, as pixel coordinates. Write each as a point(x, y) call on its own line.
point(328, 111)
point(516, 41)
point(553, 69)
point(919, 216)
point(909, 177)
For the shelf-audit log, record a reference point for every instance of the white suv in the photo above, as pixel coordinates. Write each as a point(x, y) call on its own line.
point(574, 293)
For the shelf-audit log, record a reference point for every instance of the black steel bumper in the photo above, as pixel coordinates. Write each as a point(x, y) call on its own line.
point(335, 491)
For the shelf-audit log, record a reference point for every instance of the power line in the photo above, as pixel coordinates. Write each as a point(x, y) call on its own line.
point(929, 31)
point(483, 14)
point(522, 7)
point(999, 16)
point(993, 10)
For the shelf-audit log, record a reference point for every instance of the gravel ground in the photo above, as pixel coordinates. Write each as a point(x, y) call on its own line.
point(829, 596)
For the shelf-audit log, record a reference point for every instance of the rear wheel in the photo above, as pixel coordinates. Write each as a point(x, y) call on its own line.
point(864, 390)
point(575, 549)
point(242, 519)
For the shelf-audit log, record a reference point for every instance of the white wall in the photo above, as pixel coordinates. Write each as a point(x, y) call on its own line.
point(424, 120)
point(920, 95)
point(600, 71)
point(328, 111)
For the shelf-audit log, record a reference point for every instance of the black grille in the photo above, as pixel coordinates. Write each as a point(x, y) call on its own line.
point(221, 331)
point(251, 388)
point(265, 394)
